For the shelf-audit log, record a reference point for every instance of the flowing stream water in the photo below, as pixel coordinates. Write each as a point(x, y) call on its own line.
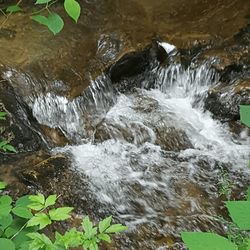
point(154, 158)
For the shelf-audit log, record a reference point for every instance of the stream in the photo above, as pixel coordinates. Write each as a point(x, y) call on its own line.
point(152, 156)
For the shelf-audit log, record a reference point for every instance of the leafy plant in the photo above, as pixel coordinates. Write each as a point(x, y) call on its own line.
point(51, 20)
point(226, 185)
point(239, 212)
point(5, 144)
point(21, 223)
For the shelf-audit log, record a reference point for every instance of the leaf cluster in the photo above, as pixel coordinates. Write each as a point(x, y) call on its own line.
point(21, 223)
point(51, 20)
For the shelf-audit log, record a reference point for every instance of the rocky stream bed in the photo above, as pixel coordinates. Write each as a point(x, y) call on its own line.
point(132, 112)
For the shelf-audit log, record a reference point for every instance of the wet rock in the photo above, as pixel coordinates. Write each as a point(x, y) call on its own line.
point(135, 69)
point(224, 100)
point(20, 125)
point(172, 139)
point(41, 173)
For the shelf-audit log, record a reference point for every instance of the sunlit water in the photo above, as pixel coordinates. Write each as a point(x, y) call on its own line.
point(129, 172)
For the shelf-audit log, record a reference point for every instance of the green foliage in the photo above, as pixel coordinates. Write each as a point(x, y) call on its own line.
point(239, 212)
point(245, 114)
point(226, 185)
point(21, 223)
point(207, 241)
point(51, 20)
point(4, 145)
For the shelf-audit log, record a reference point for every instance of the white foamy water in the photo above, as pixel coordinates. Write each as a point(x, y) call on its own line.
point(138, 179)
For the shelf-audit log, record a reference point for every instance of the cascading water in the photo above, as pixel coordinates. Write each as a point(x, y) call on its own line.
point(154, 158)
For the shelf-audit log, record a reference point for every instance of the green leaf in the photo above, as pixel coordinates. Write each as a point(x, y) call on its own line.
point(206, 241)
point(3, 143)
point(2, 115)
point(5, 210)
point(245, 114)
point(40, 241)
point(23, 201)
point(41, 219)
point(39, 198)
point(13, 8)
point(42, 1)
point(73, 9)
point(9, 148)
point(37, 202)
point(51, 200)
point(61, 213)
point(22, 212)
point(3, 185)
point(104, 237)
point(72, 238)
point(40, 19)
point(5, 200)
point(104, 224)
point(87, 226)
point(116, 228)
point(36, 206)
point(239, 212)
point(55, 23)
point(6, 244)
point(22, 237)
point(248, 194)
point(5, 222)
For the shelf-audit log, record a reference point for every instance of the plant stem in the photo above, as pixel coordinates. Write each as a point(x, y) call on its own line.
point(18, 231)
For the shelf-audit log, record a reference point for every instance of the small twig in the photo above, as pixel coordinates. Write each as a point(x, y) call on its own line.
point(7, 16)
point(44, 8)
point(19, 231)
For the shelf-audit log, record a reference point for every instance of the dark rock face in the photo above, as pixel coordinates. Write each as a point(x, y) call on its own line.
point(135, 69)
point(20, 123)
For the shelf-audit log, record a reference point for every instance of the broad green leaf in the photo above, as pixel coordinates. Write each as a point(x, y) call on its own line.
point(5, 221)
point(245, 114)
point(5, 200)
point(5, 209)
point(22, 237)
point(55, 23)
point(104, 224)
point(24, 245)
point(9, 148)
point(6, 244)
point(73, 9)
point(3, 143)
point(61, 213)
point(104, 237)
point(41, 219)
point(2, 115)
point(93, 245)
point(22, 212)
point(16, 225)
point(87, 226)
point(36, 206)
point(23, 201)
point(42, 1)
point(239, 212)
point(116, 228)
point(72, 238)
point(40, 19)
point(206, 241)
point(39, 198)
point(13, 8)
point(3, 185)
point(51, 200)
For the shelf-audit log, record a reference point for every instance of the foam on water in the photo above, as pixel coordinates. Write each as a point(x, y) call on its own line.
point(139, 180)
